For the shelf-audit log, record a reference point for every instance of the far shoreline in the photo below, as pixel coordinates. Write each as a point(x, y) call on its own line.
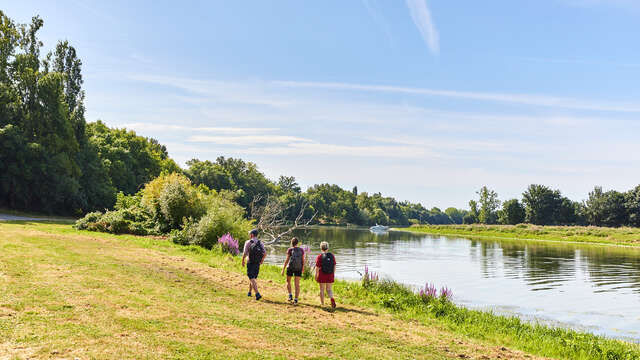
point(623, 237)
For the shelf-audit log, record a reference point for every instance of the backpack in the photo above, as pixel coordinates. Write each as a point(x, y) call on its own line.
point(256, 252)
point(328, 262)
point(295, 263)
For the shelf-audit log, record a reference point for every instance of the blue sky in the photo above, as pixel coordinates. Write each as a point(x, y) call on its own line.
point(421, 100)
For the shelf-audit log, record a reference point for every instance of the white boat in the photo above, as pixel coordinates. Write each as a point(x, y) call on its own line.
point(379, 229)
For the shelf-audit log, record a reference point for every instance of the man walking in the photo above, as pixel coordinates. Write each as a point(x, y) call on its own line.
point(255, 251)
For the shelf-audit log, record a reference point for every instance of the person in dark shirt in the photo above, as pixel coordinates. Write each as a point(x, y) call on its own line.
point(294, 265)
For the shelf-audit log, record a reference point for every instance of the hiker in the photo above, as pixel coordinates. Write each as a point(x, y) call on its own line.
point(295, 261)
point(255, 251)
point(325, 268)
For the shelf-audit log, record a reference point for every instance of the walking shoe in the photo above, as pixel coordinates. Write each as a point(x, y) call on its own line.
point(258, 296)
point(295, 302)
point(333, 303)
point(290, 297)
point(249, 294)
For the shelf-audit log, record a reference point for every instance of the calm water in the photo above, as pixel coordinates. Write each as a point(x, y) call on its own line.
point(590, 288)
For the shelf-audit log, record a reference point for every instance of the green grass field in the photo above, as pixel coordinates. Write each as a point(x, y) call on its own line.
point(76, 294)
point(584, 234)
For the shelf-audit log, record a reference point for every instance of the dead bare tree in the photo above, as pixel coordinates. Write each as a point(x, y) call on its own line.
point(271, 219)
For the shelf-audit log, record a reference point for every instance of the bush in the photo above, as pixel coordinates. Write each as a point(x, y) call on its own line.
point(123, 221)
point(114, 222)
point(171, 204)
point(90, 218)
point(170, 199)
point(222, 217)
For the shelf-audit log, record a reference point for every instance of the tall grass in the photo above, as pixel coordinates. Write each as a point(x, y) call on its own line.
point(511, 331)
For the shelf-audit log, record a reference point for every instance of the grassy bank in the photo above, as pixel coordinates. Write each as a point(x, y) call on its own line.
point(584, 234)
point(67, 293)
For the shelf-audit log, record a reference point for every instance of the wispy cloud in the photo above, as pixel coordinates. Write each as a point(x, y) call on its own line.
point(247, 139)
point(147, 126)
point(231, 92)
point(272, 94)
point(525, 99)
point(422, 19)
point(378, 18)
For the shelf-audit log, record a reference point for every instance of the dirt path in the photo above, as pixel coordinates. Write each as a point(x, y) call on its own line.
point(8, 217)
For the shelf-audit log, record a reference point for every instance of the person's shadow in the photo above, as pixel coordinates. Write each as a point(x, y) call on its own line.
point(328, 309)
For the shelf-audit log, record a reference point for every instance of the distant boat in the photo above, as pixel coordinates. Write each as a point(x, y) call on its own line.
point(379, 229)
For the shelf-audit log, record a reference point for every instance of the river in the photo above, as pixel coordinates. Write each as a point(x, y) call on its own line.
point(586, 287)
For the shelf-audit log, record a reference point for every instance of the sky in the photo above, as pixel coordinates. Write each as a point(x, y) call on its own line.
point(425, 101)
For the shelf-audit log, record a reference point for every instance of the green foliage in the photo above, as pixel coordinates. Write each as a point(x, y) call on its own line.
point(489, 203)
point(606, 208)
point(456, 215)
point(90, 218)
point(171, 199)
point(51, 160)
point(541, 205)
point(288, 184)
point(242, 177)
point(632, 205)
point(129, 160)
point(512, 212)
point(133, 220)
point(472, 216)
point(222, 217)
point(170, 204)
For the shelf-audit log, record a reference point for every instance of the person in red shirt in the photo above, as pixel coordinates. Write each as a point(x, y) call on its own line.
point(325, 269)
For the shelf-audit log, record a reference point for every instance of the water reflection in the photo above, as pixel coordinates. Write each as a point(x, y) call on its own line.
point(589, 287)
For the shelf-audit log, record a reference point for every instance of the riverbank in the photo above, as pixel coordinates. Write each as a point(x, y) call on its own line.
point(67, 293)
point(626, 236)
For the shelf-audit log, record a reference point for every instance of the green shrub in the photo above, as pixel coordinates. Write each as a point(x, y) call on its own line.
point(115, 222)
point(170, 199)
point(90, 218)
point(123, 221)
point(223, 216)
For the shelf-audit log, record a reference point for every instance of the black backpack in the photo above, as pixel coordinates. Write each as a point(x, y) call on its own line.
point(256, 252)
point(328, 262)
point(295, 262)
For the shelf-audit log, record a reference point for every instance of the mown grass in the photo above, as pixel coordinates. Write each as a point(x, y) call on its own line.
point(66, 293)
point(583, 234)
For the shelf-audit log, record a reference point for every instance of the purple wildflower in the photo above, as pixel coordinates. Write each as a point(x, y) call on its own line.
point(369, 276)
point(446, 293)
point(429, 291)
point(229, 244)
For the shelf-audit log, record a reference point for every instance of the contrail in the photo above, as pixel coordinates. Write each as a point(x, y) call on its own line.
point(422, 19)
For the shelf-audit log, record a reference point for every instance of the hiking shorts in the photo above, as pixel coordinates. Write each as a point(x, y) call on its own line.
point(294, 273)
point(253, 270)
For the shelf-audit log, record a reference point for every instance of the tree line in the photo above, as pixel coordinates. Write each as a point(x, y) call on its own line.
point(52, 160)
point(542, 205)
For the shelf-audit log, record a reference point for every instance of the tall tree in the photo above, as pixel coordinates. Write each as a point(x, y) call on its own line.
point(632, 205)
point(606, 208)
point(512, 212)
point(489, 203)
point(472, 215)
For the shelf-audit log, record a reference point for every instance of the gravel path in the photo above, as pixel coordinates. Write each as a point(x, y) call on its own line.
point(7, 217)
